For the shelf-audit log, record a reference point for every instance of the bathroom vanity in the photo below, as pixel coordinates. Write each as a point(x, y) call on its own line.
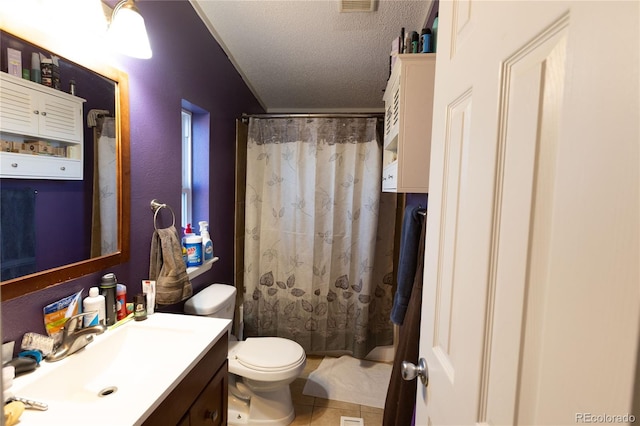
point(170, 369)
point(201, 397)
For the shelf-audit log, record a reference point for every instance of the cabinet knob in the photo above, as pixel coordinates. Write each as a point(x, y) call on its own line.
point(63, 168)
point(43, 113)
point(36, 112)
point(14, 164)
point(211, 415)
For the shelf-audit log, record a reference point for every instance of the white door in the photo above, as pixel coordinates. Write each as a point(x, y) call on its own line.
point(532, 287)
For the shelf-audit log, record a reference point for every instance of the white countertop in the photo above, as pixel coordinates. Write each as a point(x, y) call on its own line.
point(145, 360)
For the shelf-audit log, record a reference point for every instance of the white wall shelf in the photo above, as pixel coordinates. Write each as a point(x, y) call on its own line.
point(194, 271)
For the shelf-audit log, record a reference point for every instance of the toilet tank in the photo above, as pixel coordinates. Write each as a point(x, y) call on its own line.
point(217, 301)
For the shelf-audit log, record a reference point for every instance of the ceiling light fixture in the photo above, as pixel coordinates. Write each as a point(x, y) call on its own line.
point(128, 32)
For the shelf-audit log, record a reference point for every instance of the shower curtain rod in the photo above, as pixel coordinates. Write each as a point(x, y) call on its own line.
point(379, 116)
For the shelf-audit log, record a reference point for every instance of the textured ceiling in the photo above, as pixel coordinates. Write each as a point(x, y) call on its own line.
point(305, 56)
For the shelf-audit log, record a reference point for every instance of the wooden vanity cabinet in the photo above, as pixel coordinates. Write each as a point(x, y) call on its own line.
point(201, 397)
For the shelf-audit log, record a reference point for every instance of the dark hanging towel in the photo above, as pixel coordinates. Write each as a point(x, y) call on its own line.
point(17, 233)
point(401, 394)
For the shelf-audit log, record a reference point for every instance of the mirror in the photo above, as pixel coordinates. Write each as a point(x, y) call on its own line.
point(101, 75)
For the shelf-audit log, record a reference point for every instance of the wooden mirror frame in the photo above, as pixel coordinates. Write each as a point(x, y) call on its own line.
point(21, 286)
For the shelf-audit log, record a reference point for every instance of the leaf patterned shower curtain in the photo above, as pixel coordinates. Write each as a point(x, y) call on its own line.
point(319, 237)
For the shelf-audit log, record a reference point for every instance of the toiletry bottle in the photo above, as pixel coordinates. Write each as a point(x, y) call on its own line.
point(425, 40)
point(415, 41)
point(207, 244)
point(35, 68)
point(108, 290)
point(121, 301)
point(188, 232)
point(149, 290)
point(140, 307)
point(95, 302)
point(434, 36)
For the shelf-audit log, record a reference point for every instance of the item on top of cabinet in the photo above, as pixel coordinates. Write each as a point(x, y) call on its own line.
point(434, 31)
point(121, 301)
point(95, 302)
point(415, 41)
point(108, 285)
point(55, 72)
point(149, 289)
point(35, 67)
point(207, 243)
point(46, 72)
point(14, 62)
point(425, 41)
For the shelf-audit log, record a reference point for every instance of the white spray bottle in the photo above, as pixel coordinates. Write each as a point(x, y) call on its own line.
point(207, 244)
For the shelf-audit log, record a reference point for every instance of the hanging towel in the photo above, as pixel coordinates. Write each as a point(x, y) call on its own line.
point(399, 407)
point(409, 245)
point(167, 267)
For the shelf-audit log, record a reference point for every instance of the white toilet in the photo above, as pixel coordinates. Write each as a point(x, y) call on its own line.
point(260, 368)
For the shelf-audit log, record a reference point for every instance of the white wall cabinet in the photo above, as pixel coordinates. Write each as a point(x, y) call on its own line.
point(408, 102)
point(31, 111)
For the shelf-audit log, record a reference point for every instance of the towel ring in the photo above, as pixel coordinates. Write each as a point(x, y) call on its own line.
point(156, 206)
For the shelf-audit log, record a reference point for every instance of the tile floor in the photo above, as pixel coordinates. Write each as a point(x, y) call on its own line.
point(312, 411)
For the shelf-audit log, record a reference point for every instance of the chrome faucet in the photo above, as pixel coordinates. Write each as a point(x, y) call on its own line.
point(74, 337)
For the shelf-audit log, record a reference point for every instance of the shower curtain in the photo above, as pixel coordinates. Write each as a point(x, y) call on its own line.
point(104, 229)
point(319, 235)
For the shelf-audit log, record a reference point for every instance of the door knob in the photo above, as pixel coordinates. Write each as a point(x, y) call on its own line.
point(411, 371)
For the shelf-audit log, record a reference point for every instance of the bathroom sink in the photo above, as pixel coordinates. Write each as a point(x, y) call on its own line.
point(123, 375)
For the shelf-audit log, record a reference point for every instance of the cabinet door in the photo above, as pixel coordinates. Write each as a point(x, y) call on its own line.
point(60, 118)
point(19, 109)
point(210, 409)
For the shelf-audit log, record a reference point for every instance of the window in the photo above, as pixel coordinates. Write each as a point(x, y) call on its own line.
point(196, 125)
point(187, 168)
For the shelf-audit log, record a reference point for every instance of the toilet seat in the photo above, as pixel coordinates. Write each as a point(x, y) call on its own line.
point(266, 358)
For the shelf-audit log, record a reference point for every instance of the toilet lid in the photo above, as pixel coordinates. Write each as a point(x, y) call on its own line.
point(269, 353)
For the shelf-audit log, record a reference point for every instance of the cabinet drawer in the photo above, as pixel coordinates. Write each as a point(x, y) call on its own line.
point(25, 166)
point(390, 177)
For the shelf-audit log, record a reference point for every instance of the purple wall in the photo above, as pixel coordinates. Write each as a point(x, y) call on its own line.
point(187, 64)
